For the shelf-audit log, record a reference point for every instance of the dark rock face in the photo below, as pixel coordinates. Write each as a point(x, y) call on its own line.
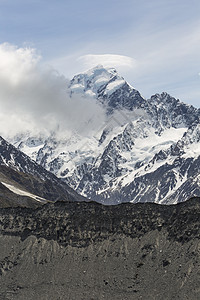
point(65, 222)
point(125, 97)
point(172, 112)
point(52, 189)
point(89, 251)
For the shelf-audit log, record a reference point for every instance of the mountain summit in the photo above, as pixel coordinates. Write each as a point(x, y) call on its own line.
point(106, 85)
point(95, 80)
point(145, 150)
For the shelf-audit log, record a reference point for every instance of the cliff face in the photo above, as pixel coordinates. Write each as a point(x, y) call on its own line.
point(89, 251)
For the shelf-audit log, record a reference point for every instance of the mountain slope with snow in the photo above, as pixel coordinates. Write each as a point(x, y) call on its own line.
point(25, 183)
point(139, 153)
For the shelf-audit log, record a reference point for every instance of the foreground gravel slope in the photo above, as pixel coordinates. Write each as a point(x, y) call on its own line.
point(88, 251)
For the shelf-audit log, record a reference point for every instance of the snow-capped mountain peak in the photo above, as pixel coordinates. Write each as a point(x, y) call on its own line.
point(95, 80)
point(106, 85)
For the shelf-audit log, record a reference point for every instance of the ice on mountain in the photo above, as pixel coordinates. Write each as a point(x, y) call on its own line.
point(113, 86)
point(142, 151)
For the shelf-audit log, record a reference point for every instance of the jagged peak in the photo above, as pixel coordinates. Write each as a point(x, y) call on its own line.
point(162, 97)
point(165, 97)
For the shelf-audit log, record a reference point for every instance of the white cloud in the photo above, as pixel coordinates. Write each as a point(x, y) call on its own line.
point(35, 98)
point(107, 60)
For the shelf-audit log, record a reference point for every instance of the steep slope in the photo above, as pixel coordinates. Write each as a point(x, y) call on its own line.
point(127, 158)
point(73, 251)
point(24, 183)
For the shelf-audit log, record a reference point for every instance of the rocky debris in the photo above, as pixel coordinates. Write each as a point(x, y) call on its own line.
point(88, 251)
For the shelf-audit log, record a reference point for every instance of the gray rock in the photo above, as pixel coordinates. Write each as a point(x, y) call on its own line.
point(75, 251)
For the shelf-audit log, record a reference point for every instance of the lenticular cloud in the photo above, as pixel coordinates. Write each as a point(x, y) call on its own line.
point(107, 60)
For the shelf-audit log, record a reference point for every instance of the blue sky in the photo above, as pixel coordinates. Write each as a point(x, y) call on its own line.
point(154, 44)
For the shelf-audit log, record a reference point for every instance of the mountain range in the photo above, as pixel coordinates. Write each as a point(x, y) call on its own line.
point(54, 245)
point(145, 150)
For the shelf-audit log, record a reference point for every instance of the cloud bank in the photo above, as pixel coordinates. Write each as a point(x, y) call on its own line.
point(35, 99)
